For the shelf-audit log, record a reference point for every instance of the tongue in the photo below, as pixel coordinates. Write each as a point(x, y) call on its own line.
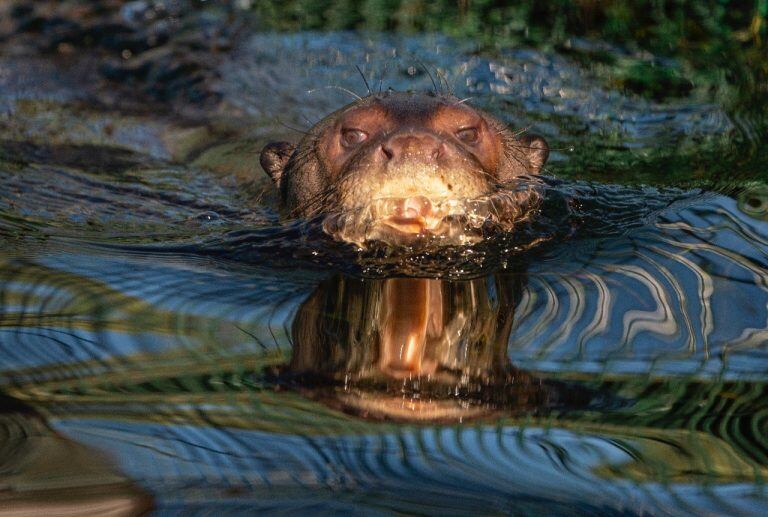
point(413, 312)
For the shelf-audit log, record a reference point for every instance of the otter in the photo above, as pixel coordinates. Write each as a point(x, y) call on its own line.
point(399, 166)
point(417, 350)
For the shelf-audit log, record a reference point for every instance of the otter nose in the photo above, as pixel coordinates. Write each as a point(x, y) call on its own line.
point(424, 145)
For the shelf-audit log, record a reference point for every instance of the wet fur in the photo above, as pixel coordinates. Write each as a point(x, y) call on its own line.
point(307, 187)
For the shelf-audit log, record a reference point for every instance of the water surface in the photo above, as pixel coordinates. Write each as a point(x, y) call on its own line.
point(161, 320)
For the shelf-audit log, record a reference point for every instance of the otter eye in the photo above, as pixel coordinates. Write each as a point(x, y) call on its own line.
point(352, 137)
point(468, 135)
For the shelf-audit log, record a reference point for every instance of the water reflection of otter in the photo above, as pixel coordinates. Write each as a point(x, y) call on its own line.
point(414, 349)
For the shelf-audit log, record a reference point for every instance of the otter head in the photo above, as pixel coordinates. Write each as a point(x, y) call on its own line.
point(399, 166)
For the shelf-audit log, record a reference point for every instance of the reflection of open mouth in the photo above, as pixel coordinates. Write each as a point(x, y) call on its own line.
point(444, 221)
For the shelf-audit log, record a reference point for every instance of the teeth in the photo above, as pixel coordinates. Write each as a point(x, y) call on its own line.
point(452, 221)
point(416, 206)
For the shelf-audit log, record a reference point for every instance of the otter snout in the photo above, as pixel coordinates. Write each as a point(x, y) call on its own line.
point(419, 145)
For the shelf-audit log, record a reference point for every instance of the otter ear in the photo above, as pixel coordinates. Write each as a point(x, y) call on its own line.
point(537, 151)
point(274, 157)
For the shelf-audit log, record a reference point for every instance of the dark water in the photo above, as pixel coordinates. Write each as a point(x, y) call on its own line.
point(168, 340)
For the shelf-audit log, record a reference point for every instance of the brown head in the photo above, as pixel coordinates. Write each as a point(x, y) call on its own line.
point(404, 164)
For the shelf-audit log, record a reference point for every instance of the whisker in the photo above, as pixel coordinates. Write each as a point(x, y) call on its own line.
point(434, 85)
point(313, 204)
point(277, 119)
point(514, 157)
point(383, 73)
point(346, 90)
point(521, 146)
point(444, 80)
point(365, 81)
point(521, 131)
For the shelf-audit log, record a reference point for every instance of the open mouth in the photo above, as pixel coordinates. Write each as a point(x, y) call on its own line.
point(445, 221)
point(414, 215)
